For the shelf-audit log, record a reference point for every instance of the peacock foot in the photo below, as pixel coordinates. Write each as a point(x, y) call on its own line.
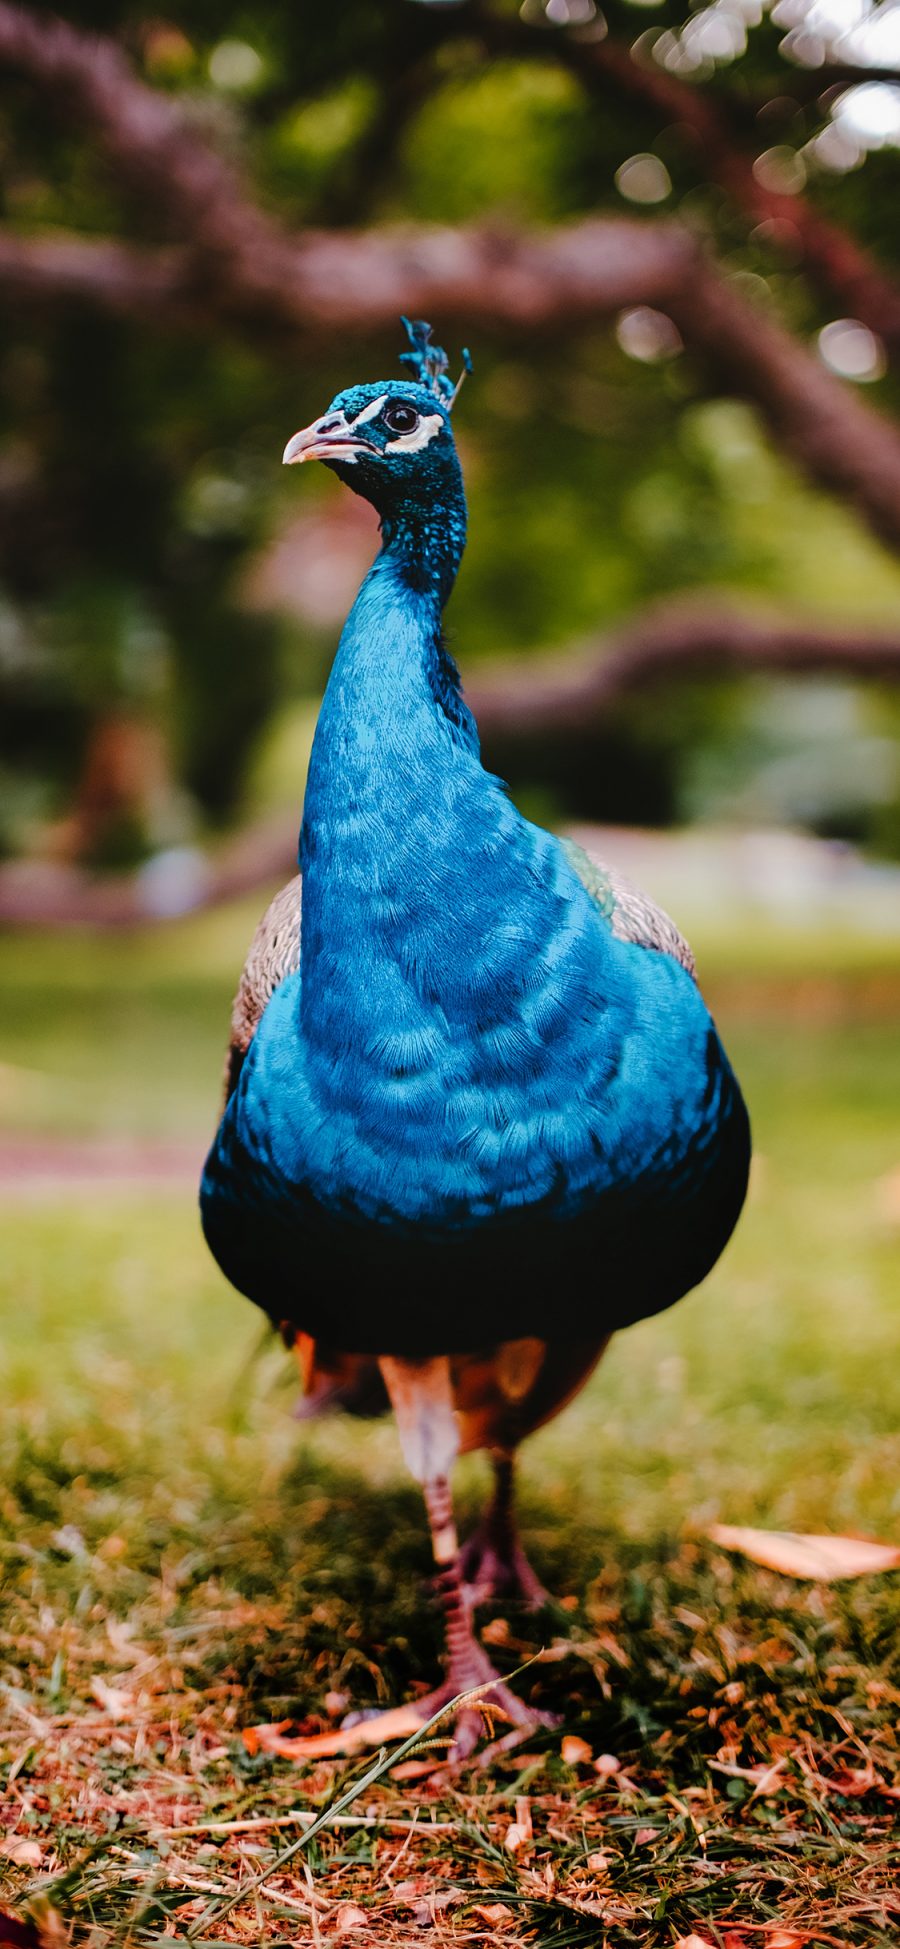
point(495, 1709)
point(493, 1572)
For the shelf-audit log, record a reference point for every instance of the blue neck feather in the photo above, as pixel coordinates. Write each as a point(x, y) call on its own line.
point(395, 760)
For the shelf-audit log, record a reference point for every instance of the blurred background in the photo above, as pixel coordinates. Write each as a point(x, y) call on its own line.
point(670, 234)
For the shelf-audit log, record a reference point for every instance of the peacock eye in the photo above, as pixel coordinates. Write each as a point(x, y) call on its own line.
point(400, 419)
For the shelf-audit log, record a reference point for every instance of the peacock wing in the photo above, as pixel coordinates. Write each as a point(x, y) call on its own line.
point(331, 1379)
point(274, 954)
point(631, 914)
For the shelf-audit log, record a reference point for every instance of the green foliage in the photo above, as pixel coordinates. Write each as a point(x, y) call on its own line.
point(141, 464)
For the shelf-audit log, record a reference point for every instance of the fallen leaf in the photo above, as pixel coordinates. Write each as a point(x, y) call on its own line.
point(598, 1863)
point(25, 1854)
point(117, 1703)
point(852, 1782)
point(349, 1917)
point(417, 1769)
point(575, 1751)
point(645, 1835)
point(425, 1913)
point(692, 1942)
point(377, 1731)
point(824, 1558)
point(783, 1939)
point(515, 1837)
point(764, 1779)
point(496, 1631)
point(495, 1913)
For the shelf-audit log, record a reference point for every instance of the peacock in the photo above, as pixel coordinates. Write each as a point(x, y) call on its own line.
point(484, 1120)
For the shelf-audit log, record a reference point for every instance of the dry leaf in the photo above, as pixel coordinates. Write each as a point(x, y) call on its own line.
point(349, 1917)
point(496, 1914)
point(417, 1769)
point(377, 1731)
point(852, 1782)
point(496, 1631)
point(25, 1854)
point(117, 1703)
point(824, 1558)
point(764, 1779)
point(521, 1833)
point(692, 1942)
point(575, 1751)
point(598, 1863)
point(773, 1938)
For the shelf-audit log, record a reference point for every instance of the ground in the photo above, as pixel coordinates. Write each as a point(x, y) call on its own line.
point(183, 1560)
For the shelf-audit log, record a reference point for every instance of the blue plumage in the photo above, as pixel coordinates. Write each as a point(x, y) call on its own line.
point(473, 1112)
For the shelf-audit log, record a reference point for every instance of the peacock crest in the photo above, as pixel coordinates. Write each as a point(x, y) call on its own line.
point(430, 362)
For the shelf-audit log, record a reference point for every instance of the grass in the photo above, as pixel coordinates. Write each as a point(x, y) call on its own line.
point(181, 1560)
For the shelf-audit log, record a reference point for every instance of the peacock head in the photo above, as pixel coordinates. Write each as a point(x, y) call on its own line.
point(392, 442)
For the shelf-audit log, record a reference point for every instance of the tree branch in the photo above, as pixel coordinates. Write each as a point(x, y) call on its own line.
point(572, 692)
point(833, 258)
point(56, 267)
point(359, 281)
point(147, 137)
point(243, 268)
point(554, 281)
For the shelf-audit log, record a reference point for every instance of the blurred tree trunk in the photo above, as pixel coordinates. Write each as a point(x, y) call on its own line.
point(124, 784)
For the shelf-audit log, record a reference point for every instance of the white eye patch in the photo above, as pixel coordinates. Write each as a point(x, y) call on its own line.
point(431, 424)
point(371, 411)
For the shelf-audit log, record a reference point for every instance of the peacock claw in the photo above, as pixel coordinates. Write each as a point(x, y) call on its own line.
point(496, 1705)
point(490, 1573)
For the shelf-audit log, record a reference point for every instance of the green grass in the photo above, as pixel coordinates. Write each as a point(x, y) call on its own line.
point(169, 1531)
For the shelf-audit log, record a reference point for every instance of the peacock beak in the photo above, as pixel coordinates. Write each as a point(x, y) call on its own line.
point(330, 438)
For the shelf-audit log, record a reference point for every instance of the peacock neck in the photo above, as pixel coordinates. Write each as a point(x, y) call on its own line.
point(424, 544)
point(394, 756)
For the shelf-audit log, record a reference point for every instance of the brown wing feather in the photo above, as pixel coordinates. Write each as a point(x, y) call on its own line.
point(274, 954)
point(631, 913)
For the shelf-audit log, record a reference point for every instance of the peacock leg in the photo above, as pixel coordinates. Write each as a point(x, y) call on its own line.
point(493, 1562)
point(422, 1400)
